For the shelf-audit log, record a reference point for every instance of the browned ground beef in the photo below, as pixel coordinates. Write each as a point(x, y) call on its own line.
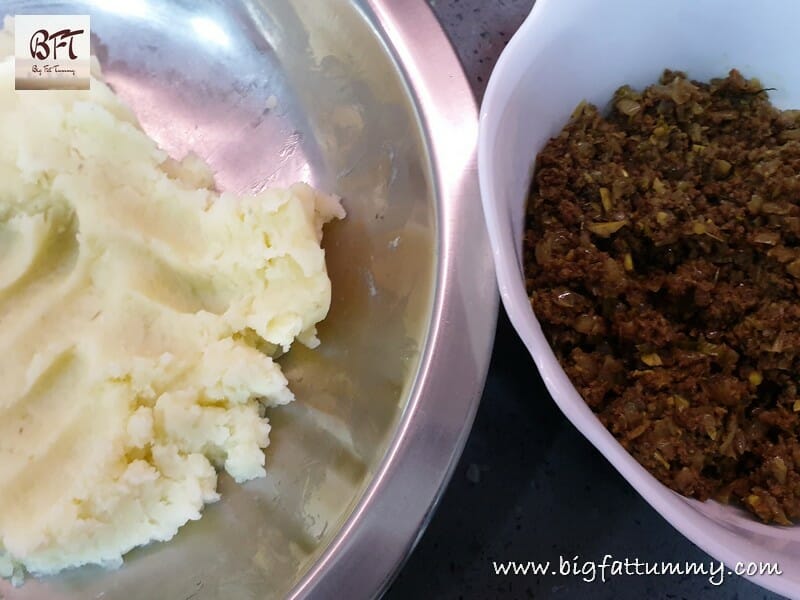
point(663, 261)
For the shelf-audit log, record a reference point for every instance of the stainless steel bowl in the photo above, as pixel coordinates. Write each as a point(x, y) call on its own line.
point(364, 98)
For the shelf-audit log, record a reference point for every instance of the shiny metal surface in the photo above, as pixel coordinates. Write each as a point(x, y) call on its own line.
point(365, 99)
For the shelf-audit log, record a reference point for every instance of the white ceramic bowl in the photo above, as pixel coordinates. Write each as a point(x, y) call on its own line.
point(571, 50)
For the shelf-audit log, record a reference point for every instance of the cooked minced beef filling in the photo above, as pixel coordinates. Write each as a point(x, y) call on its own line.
point(663, 260)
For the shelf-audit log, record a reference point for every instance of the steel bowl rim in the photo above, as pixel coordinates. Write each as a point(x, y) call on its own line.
point(430, 435)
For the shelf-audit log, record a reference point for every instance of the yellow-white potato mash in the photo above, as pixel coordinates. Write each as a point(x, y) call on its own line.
point(138, 312)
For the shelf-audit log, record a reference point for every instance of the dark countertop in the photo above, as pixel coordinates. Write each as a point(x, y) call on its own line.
point(529, 486)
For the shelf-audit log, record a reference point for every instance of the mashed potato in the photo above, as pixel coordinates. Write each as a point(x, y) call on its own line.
point(138, 313)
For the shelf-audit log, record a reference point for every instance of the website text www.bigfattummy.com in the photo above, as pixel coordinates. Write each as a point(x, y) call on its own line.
point(600, 571)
